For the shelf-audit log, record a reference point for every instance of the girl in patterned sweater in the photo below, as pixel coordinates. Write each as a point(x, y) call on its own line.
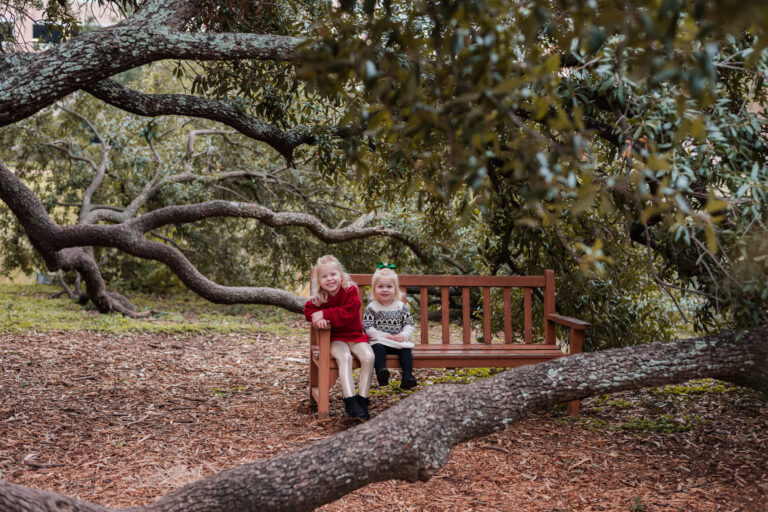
point(389, 326)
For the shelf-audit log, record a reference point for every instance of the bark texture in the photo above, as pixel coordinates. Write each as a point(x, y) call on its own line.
point(412, 440)
point(31, 82)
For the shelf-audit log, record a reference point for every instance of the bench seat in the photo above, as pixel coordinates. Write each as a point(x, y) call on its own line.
point(474, 356)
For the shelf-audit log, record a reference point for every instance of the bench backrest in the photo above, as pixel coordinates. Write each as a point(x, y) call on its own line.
point(545, 282)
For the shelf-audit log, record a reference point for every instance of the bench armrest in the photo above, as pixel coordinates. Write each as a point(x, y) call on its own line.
point(578, 327)
point(569, 321)
point(321, 338)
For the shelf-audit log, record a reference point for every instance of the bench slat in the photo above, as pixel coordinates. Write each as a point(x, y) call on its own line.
point(424, 312)
point(507, 315)
point(482, 347)
point(491, 361)
point(475, 350)
point(465, 321)
point(458, 353)
point(463, 358)
point(549, 305)
point(487, 314)
point(527, 316)
point(446, 311)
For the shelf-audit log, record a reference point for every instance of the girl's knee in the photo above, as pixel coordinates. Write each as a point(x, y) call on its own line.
point(343, 357)
point(366, 357)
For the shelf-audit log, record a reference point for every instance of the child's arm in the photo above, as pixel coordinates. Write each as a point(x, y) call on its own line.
point(309, 309)
point(314, 314)
point(408, 321)
point(369, 321)
point(348, 312)
point(369, 318)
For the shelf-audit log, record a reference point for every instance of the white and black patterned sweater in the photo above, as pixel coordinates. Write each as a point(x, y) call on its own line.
point(378, 321)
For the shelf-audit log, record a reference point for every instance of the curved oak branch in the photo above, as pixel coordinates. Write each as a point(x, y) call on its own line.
point(152, 188)
point(151, 105)
point(218, 208)
point(34, 81)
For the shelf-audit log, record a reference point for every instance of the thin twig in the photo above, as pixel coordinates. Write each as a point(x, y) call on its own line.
point(716, 260)
point(658, 280)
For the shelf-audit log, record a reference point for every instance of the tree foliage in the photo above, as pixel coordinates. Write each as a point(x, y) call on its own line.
point(584, 133)
point(622, 144)
point(624, 148)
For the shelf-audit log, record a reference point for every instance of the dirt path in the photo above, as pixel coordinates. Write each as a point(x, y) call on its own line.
point(122, 420)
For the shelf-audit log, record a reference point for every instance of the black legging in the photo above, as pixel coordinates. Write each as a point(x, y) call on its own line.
point(404, 354)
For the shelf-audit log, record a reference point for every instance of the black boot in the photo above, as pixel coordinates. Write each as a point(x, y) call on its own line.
point(353, 408)
point(409, 381)
point(382, 376)
point(364, 401)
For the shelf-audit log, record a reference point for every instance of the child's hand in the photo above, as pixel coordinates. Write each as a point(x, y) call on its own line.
point(318, 320)
point(396, 337)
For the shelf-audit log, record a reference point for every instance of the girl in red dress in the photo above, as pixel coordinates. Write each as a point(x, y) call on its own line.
point(335, 303)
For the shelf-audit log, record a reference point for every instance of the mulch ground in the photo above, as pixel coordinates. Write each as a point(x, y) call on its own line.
point(122, 420)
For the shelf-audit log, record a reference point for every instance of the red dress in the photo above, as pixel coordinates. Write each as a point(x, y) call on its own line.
point(343, 311)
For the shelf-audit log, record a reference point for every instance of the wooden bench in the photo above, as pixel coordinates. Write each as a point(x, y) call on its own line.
point(323, 370)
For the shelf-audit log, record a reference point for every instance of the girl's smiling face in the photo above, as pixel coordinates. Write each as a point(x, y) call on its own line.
point(384, 291)
point(329, 277)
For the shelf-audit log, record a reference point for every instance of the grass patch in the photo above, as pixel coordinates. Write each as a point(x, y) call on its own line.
point(225, 392)
point(664, 424)
point(664, 409)
point(694, 387)
point(454, 376)
point(616, 403)
point(29, 308)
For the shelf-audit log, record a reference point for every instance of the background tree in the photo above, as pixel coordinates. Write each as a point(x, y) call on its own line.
point(587, 134)
point(97, 164)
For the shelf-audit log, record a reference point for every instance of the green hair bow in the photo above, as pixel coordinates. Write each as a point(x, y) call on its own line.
point(386, 265)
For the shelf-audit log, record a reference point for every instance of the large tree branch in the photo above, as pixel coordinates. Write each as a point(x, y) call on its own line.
point(196, 212)
point(34, 81)
point(284, 142)
point(82, 262)
point(153, 187)
point(414, 438)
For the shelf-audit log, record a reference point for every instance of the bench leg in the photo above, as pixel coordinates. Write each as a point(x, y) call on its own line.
point(324, 388)
point(573, 408)
point(312, 380)
point(324, 375)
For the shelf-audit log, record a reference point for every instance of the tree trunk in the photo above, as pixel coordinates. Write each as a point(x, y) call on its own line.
point(413, 439)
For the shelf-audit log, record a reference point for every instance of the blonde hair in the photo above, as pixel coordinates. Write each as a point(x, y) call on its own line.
point(386, 272)
point(320, 296)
